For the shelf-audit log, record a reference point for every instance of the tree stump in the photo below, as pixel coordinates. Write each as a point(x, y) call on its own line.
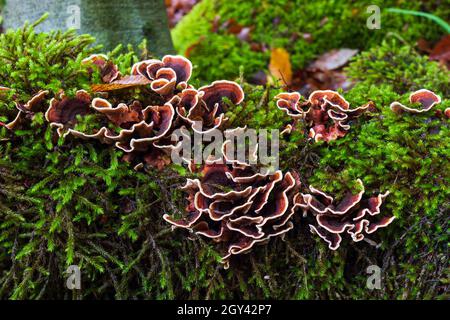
point(112, 22)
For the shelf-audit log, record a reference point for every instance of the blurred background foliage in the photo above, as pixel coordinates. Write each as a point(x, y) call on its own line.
point(304, 28)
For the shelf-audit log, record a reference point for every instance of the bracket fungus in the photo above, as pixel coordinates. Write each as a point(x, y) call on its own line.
point(141, 132)
point(353, 214)
point(238, 207)
point(27, 110)
point(143, 128)
point(108, 70)
point(326, 113)
point(63, 111)
point(426, 98)
point(205, 106)
point(166, 75)
point(163, 76)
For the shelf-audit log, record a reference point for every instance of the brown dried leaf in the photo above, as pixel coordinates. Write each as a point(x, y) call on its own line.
point(424, 45)
point(441, 51)
point(333, 59)
point(125, 82)
point(280, 65)
point(232, 26)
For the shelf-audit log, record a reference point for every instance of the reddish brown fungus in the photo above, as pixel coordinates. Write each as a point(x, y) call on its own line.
point(425, 98)
point(354, 214)
point(326, 113)
point(238, 207)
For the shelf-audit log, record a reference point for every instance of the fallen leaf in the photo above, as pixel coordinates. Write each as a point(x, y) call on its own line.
point(324, 73)
point(333, 59)
point(232, 26)
point(424, 45)
point(441, 51)
point(280, 65)
point(177, 9)
point(258, 78)
point(125, 82)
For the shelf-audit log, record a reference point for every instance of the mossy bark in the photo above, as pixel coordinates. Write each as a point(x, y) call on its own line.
point(111, 21)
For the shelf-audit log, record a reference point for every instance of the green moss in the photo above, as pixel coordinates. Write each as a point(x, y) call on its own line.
point(66, 202)
point(284, 23)
point(198, 22)
point(230, 55)
point(400, 67)
point(258, 110)
point(31, 61)
point(406, 155)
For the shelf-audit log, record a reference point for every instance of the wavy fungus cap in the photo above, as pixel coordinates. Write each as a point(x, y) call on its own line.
point(166, 74)
point(64, 110)
point(326, 113)
point(108, 70)
point(28, 109)
point(353, 214)
point(206, 106)
point(143, 133)
point(426, 98)
point(238, 207)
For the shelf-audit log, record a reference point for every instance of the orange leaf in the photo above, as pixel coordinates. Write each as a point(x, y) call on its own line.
point(280, 65)
point(125, 82)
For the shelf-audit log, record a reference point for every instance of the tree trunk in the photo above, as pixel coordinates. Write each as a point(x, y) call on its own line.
point(112, 22)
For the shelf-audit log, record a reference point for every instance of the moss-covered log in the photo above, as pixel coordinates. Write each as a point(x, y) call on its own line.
point(70, 201)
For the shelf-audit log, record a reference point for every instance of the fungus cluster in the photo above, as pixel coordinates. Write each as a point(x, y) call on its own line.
point(326, 113)
point(165, 75)
point(143, 128)
point(354, 215)
point(238, 207)
point(232, 202)
point(143, 131)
